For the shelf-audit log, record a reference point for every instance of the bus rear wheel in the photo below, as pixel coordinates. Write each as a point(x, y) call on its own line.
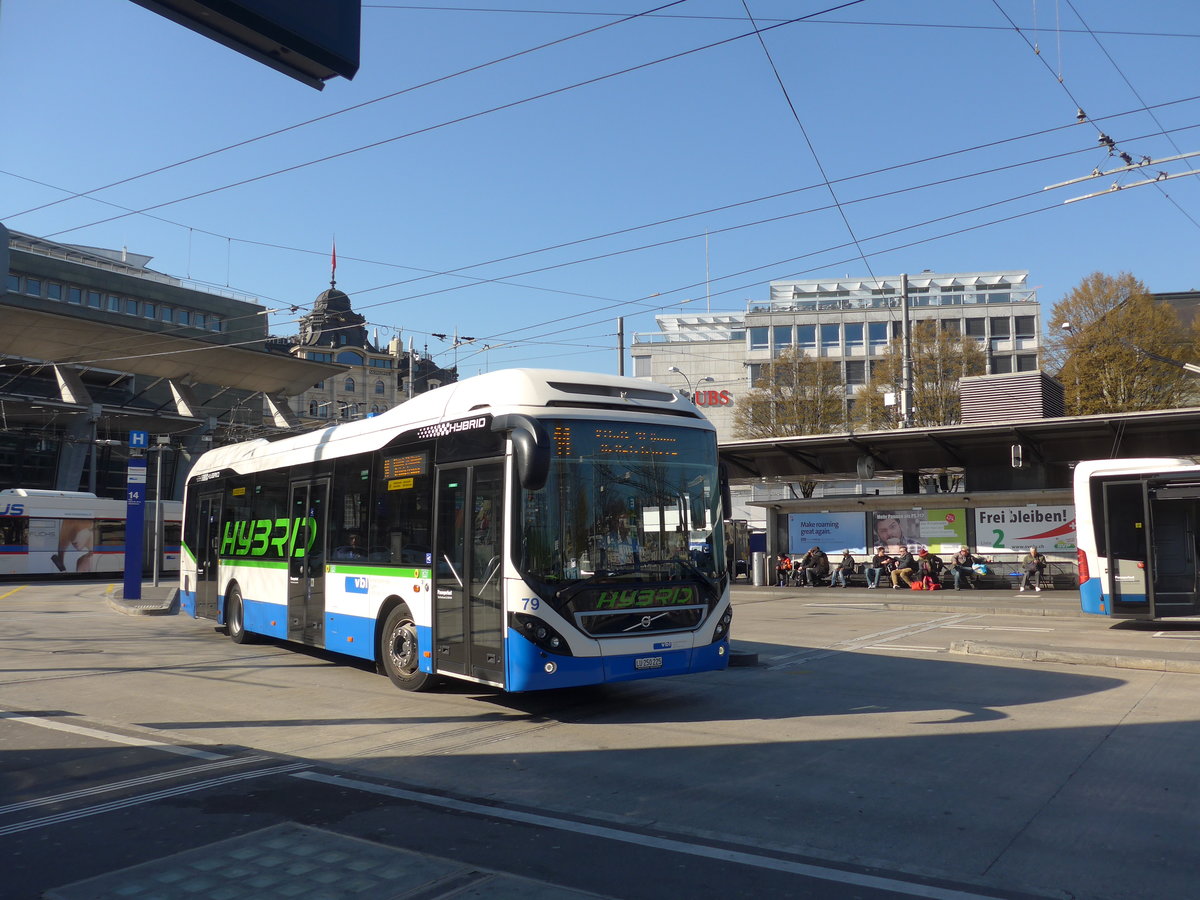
point(235, 625)
point(399, 652)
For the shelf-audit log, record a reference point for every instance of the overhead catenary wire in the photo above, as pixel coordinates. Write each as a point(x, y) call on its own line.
point(561, 245)
point(622, 19)
point(454, 121)
point(807, 139)
point(1103, 138)
point(944, 26)
point(650, 299)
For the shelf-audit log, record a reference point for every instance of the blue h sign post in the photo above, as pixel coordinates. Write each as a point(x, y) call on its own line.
point(135, 515)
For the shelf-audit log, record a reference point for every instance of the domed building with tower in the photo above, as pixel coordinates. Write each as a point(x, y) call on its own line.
point(376, 378)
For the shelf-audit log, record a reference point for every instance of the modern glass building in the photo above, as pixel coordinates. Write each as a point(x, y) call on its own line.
point(719, 356)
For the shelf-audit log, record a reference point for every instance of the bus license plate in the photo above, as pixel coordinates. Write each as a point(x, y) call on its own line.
point(648, 662)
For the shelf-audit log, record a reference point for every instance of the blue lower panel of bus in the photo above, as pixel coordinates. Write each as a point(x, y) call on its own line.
point(527, 665)
point(187, 603)
point(1092, 600)
point(263, 618)
point(353, 635)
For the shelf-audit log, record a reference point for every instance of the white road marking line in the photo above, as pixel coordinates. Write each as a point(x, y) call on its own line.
point(674, 845)
point(59, 818)
point(908, 649)
point(112, 737)
point(863, 605)
point(132, 782)
point(999, 628)
point(868, 640)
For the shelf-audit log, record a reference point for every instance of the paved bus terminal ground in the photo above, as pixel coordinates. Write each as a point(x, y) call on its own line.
point(885, 744)
point(1173, 647)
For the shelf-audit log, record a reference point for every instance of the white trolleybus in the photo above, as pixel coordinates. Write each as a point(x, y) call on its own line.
point(1138, 524)
point(52, 533)
point(526, 529)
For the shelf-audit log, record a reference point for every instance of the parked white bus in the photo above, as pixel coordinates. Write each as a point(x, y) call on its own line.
point(46, 532)
point(1138, 537)
point(526, 529)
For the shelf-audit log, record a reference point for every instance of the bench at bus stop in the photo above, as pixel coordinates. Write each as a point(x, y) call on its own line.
point(1002, 575)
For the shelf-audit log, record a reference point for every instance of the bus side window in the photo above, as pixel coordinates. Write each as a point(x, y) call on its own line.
point(14, 532)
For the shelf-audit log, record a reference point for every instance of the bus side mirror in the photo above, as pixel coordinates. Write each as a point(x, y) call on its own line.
point(532, 446)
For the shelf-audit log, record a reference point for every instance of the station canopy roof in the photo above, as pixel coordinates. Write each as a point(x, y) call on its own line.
point(69, 340)
point(1049, 441)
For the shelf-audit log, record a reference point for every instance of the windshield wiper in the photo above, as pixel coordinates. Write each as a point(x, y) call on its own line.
point(684, 564)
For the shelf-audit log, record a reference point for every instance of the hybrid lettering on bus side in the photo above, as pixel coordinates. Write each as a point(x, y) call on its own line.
point(256, 536)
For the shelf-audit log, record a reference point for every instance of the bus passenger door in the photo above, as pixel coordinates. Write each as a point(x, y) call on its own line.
point(1127, 545)
point(469, 601)
point(207, 540)
point(306, 565)
point(1173, 537)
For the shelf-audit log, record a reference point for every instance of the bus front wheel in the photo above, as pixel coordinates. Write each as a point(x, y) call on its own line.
point(399, 652)
point(235, 625)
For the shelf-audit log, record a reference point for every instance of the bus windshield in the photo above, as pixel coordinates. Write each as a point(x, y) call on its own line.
point(624, 500)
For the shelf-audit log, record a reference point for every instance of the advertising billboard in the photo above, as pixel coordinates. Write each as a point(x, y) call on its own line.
point(832, 532)
point(941, 530)
point(1017, 528)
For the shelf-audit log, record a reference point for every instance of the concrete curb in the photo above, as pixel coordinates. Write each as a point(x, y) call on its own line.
point(147, 606)
point(739, 658)
point(1109, 660)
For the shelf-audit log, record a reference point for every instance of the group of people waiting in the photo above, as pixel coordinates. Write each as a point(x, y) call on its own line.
point(902, 570)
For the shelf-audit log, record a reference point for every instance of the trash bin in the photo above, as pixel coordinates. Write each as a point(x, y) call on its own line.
point(758, 565)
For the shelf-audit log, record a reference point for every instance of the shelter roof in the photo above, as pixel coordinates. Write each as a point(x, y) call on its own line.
point(69, 340)
point(1053, 441)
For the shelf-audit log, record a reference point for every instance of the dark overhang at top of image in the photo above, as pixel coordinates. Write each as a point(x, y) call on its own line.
point(1046, 441)
point(309, 40)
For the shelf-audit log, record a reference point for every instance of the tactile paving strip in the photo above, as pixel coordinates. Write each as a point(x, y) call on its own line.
point(290, 861)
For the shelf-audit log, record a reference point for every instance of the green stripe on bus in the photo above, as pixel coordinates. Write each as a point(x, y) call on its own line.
point(238, 562)
point(340, 569)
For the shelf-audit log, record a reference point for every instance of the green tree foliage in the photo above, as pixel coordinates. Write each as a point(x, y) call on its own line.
point(794, 395)
point(939, 359)
point(1112, 318)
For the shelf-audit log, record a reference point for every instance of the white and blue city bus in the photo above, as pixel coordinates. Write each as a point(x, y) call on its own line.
point(525, 529)
point(1138, 537)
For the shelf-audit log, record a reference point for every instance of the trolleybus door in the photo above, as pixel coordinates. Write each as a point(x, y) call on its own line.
point(207, 537)
point(469, 605)
point(1127, 546)
point(1173, 523)
point(306, 565)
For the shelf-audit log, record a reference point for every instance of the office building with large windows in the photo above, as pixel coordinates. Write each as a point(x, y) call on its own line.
point(719, 356)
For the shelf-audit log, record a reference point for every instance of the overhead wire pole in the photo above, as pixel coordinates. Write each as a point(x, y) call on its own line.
point(906, 389)
point(620, 345)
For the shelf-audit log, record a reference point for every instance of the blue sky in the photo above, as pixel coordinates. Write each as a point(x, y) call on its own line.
point(530, 202)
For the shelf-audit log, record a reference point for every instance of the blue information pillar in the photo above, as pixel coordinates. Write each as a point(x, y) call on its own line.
point(135, 520)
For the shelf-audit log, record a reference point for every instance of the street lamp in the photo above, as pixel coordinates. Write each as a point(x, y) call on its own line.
point(688, 381)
